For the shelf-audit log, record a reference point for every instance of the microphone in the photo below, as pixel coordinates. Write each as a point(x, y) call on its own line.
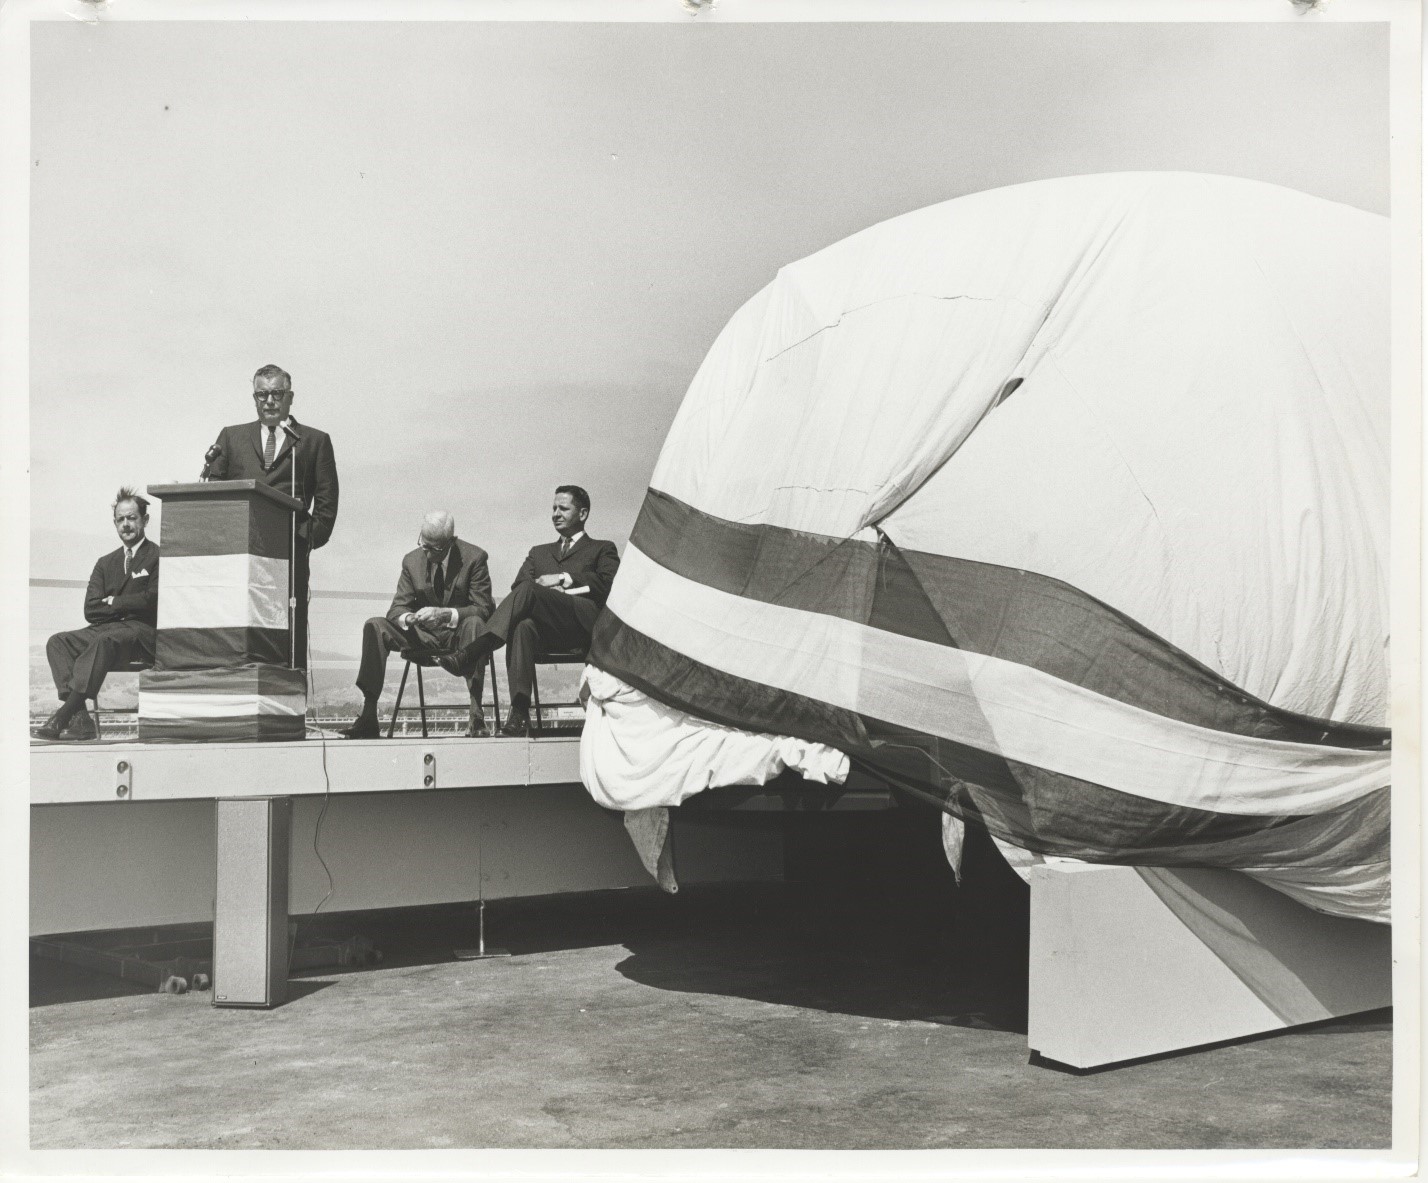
point(291, 429)
point(209, 457)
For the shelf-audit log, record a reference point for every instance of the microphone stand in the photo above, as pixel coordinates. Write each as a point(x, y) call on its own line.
point(292, 561)
point(480, 953)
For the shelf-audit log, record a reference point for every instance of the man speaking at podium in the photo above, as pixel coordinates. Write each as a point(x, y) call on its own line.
point(295, 459)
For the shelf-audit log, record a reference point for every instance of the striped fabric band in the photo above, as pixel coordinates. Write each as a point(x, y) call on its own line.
point(252, 679)
point(240, 702)
point(224, 591)
point(988, 703)
point(1002, 696)
point(1020, 616)
point(203, 648)
point(178, 705)
point(238, 729)
point(242, 524)
point(1043, 811)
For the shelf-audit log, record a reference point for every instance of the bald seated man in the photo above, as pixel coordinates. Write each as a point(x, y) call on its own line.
point(443, 596)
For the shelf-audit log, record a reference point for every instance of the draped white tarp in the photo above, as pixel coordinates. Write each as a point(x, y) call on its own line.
point(638, 753)
point(1087, 476)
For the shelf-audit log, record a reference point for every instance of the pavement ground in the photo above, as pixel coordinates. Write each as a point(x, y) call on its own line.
point(725, 1016)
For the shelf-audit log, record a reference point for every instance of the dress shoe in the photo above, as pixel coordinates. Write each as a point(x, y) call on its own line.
point(363, 727)
point(82, 726)
point(452, 663)
point(49, 729)
point(463, 662)
point(518, 723)
point(477, 729)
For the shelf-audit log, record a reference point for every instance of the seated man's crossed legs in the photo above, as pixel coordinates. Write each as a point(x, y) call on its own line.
point(80, 660)
point(528, 620)
point(381, 638)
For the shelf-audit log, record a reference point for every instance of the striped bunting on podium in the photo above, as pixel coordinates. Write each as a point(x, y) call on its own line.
point(225, 590)
point(252, 702)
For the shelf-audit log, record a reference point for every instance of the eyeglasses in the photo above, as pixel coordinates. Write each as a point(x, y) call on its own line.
point(263, 396)
point(433, 548)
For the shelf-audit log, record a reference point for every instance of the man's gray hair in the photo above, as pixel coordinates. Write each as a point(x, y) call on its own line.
point(438, 526)
point(129, 493)
point(275, 372)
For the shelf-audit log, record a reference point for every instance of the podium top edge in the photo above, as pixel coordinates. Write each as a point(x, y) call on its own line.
point(213, 488)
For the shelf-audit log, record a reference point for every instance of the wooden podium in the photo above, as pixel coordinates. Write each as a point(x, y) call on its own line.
point(223, 665)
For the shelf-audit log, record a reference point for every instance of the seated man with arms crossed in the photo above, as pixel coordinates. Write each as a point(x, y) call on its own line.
point(443, 595)
point(122, 607)
point(554, 601)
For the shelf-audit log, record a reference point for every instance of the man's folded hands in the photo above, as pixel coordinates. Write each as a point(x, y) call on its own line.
point(432, 617)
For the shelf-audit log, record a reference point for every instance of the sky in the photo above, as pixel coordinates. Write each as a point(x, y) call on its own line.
point(492, 255)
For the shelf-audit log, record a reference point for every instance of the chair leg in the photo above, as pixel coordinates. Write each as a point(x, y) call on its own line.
point(421, 701)
point(495, 691)
point(402, 689)
point(98, 726)
point(535, 699)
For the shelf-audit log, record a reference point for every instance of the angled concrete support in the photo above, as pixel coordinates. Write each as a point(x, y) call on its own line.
point(1129, 962)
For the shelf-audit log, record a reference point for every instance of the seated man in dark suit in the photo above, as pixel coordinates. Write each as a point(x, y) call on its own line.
point(554, 601)
point(122, 607)
point(292, 457)
point(443, 595)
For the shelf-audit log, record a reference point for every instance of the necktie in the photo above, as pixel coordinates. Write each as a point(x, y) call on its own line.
point(564, 548)
point(269, 446)
point(438, 582)
point(128, 554)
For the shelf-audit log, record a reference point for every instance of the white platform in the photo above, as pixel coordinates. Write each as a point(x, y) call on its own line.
point(70, 773)
point(1129, 962)
point(102, 860)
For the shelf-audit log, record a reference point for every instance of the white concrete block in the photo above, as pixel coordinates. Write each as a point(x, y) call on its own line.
point(1129, 962)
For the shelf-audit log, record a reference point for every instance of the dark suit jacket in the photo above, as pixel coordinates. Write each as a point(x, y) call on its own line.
point(468, 584)
point(591, 563)
point(241, 458)
point(136, 596)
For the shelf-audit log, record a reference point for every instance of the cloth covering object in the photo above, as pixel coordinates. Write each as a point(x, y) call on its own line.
point(638, 753)
point(1064, 506)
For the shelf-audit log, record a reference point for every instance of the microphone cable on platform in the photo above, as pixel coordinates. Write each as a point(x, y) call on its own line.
point(326, 777)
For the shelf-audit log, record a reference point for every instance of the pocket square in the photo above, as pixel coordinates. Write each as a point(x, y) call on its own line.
point(137, 574)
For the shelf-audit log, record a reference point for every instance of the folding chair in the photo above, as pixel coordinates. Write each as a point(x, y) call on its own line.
point(550, 657)
point(426, 659)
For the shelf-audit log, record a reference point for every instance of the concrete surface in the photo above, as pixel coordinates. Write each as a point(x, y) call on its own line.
point(722, 1017)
